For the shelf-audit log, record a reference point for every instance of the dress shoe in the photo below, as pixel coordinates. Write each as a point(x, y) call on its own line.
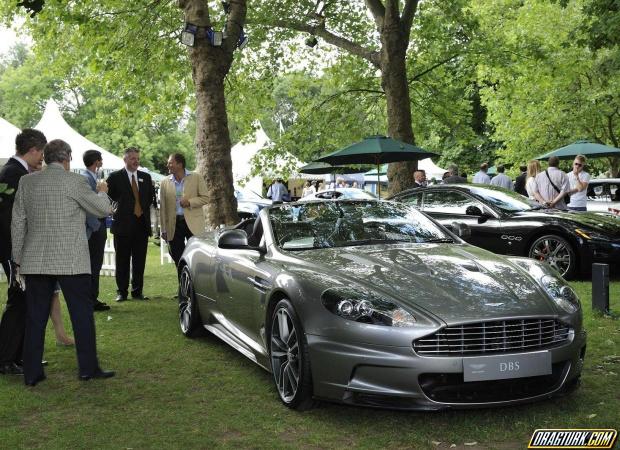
point(98, 374)
point(139, 297)
point(121, 298)
point(11, 369)
point(100, 306)
point(36, 380)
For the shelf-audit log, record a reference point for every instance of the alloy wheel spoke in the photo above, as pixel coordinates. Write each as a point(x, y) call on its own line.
point(282, 378)
point(292, 379)
point(292, 339)
point(283, 325)
point(277, 342)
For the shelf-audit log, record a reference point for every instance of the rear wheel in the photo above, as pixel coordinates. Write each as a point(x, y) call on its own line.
point(555, 251)
point(189, 317)
point(290, 359)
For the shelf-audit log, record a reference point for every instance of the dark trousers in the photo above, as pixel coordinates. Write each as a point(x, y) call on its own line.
point(131, 247)
point(13, 323)
point(96, 248)
point(177, 244)
point(38, 297)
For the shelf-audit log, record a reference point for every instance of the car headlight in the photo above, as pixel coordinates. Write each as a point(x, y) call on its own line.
point(365, 308)
point(554, 285)
point(561, 293)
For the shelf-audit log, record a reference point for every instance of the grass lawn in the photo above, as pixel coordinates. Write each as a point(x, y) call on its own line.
point(173, 392)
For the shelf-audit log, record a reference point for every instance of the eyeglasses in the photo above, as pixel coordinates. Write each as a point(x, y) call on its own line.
point(577, 164)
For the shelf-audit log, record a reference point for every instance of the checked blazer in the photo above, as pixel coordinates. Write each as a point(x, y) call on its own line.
point(49, 236)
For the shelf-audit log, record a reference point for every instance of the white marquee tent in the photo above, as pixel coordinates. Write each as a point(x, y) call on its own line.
point(8, 131)
point(241, 155)
point(53, 125)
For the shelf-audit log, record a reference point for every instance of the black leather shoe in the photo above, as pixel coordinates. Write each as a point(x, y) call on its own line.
point(121, 298)
point(35, 381)
point(139, 297)
point(11, 369)
point(98, 374)
point(100, 306)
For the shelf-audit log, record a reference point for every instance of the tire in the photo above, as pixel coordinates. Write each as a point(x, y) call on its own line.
point(189, 316)
point(555, 251)
point(289, 357)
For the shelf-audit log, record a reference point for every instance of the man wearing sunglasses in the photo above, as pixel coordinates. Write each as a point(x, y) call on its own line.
point(578, 180)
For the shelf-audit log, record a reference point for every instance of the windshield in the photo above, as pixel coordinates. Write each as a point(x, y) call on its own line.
point(505, 200)
point(247, 195)
point(349, 223)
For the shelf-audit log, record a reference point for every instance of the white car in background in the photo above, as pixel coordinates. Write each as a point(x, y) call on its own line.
point(604, 195)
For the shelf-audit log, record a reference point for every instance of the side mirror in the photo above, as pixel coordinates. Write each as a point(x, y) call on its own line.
point(461, 229)
point(232, 239)
point(473, 211)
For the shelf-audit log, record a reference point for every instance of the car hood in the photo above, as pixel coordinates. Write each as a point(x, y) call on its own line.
point(456, 283)
point(604, 223)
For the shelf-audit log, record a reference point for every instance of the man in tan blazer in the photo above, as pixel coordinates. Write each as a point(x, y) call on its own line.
point(182, 196)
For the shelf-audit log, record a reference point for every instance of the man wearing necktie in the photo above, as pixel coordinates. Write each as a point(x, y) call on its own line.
point(132, 189)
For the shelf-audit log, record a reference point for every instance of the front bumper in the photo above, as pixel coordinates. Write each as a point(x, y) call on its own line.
point(396, 377)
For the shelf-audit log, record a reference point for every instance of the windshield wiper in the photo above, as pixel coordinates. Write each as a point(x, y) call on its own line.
point(374, 242)
point(438, 241)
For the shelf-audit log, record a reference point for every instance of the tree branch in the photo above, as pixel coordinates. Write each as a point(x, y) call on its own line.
point(329, 37)
point(433, 67)
point(348, 91)
point(411, 6)
point(377, 10)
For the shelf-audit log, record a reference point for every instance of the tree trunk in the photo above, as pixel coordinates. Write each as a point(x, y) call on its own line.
point(210, 65)
point(614, 167)
point(213, 139)
point(394, 40)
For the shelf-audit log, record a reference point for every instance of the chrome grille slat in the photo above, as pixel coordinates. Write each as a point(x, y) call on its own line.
point(493, 337)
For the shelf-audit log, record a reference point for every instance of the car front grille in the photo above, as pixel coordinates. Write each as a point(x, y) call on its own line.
point(484, 338)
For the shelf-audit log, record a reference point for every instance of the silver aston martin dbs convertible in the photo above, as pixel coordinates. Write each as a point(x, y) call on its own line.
point(373, 303)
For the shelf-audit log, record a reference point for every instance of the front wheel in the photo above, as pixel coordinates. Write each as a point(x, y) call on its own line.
point(555, 251)
point(290, 359)
point(189, 317)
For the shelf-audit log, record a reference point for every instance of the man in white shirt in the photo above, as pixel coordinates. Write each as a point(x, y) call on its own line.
point(552, 185)
point(578, 180)
point(501, 179)
point(481, 176)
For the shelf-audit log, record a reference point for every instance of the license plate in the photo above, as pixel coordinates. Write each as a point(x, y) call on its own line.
point(501, 367)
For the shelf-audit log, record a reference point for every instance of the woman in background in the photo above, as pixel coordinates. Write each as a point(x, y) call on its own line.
point(308, 189)
point(533, 169)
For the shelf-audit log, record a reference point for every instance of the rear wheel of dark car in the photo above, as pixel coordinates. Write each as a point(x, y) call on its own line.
point(189, 317)
point(555, 251)
point(290, 359)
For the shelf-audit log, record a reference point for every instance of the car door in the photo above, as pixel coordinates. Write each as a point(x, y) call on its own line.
point(448, 206)
point(242, 281)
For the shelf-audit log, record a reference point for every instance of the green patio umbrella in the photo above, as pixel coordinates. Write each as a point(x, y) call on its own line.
point(586, 148)
point(377, 150)
point(321, 168)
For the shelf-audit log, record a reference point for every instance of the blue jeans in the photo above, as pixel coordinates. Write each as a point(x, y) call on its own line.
point(577, 208)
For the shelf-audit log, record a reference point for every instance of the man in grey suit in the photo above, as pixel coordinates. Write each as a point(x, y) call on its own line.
point(49, 245)
point(96, 231)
